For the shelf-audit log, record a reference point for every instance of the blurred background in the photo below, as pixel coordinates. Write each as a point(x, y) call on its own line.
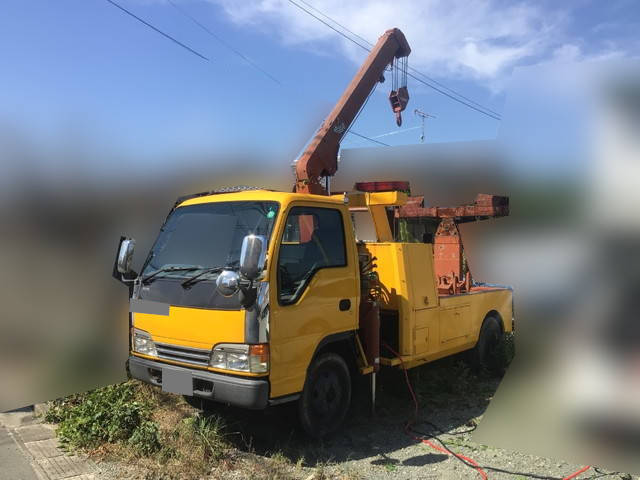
point(104, 123)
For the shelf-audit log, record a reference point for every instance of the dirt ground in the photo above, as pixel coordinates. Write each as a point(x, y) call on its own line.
point(452, 401)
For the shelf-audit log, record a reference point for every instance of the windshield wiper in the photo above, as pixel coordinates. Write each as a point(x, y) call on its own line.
point(151, 276)
point(199, 277)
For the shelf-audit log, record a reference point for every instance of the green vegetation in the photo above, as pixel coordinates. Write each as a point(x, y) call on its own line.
point(132, 420)
point(158, 432)
point(110, 414)
point(168, 439)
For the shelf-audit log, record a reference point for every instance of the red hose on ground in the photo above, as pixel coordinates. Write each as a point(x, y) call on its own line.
point(575, 474)
point(407, 428)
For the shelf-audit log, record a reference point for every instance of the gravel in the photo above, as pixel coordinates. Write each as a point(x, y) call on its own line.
point(376, 446)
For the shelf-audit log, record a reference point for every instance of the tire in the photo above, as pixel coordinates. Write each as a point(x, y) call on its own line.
point(326, 396)
point(483, 354)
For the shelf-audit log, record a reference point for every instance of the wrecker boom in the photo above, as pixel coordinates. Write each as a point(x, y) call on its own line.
point(320, 159)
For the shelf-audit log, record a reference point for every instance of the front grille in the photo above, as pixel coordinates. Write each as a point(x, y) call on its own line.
point(177, 353)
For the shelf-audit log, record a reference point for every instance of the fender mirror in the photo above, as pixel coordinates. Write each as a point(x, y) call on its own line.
point(228, 283)
point(252, 256)
point(122, 268)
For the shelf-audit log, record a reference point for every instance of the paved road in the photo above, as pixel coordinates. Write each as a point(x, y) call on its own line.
point(14, 464)
point(30, 451)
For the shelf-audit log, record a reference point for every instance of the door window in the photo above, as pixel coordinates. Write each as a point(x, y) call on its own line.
point(313, 238)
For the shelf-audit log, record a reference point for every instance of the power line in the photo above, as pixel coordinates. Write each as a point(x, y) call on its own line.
point(495, 117)
point(469, 103)
point(417, 72)
point(396, 132)
point(368, 138)
point(186, 47)
point(454, 92)
point(178, 42)
point(339, 24)
point(327, 24)
point(221, 41)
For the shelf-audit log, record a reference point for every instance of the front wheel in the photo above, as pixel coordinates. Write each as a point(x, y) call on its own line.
point(326, 396)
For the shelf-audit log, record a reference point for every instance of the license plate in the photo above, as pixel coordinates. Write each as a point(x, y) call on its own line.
point(177, 381)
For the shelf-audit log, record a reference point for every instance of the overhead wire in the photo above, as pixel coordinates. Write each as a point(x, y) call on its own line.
point(396, 132)
point(369, 138)
point(440, 89)
point(157, 30)
point(370, 45)
point(358, 115)
point(237, 52)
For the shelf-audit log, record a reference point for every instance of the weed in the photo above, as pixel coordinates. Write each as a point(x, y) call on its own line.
point(110, 414)
point(208, 433)
point(390, 467)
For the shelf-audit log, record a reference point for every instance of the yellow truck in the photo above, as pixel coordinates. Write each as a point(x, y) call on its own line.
point(254, 297)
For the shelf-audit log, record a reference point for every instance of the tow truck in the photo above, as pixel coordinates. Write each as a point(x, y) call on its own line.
point(254, 297)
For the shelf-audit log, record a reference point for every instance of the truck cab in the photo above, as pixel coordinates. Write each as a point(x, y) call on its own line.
point(247, 345)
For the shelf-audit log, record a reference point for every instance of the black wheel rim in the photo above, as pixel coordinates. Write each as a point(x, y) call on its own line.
point(326, 394)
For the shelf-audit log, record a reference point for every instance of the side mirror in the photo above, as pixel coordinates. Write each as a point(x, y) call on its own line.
point(122, 268)
point(252, 256)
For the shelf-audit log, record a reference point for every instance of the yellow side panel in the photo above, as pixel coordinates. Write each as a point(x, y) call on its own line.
point(421, 340)
point(419, 259)
point(430, 326)
point(480, 303)
point(193, 327)
point(428, 320)
point(455, 326)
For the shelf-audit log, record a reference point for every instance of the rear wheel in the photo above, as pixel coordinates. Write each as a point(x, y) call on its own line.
point(484, 353)
point(326, 396)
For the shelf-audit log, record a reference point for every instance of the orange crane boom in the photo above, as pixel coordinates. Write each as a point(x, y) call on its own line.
point(320, 159)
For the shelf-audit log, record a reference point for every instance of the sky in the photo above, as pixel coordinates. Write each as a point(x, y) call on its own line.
point(83, 73)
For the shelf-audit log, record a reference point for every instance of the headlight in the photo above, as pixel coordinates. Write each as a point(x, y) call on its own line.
point(142, 343)
point(242, 358)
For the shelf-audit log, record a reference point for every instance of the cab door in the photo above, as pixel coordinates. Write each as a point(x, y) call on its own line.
point(317, 283)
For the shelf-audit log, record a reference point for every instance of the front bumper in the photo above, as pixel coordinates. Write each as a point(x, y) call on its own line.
point(250, 393)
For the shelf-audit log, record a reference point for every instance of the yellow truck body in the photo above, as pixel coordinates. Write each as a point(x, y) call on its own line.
point(322, 315)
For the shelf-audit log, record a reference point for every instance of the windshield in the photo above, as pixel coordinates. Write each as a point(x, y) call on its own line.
point(208, 235)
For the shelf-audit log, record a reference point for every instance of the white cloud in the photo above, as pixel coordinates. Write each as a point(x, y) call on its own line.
point(480, 39)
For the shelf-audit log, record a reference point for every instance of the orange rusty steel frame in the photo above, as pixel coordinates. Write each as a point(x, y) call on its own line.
point(450, 266)
point(320, 159)
point(485, 206)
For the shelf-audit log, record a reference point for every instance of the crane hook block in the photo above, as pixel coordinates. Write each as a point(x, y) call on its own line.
point(399, 100)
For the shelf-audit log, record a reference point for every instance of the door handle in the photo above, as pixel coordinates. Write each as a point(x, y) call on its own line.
point(345, 304)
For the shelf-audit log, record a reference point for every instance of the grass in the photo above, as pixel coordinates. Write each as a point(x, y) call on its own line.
point(138, 424)
point(168, 439)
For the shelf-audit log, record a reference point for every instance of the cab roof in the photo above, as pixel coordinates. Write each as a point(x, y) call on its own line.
point(257, 195)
